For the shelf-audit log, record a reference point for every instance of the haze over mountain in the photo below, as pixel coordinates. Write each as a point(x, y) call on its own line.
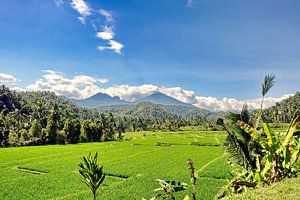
point(160, 98)
point(101, 99)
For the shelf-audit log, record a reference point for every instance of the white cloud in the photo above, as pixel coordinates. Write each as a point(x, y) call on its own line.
point(83, 86)
point(83, 80)
point(186, 96)
point(107, 14)
point(7, 78)
point(40, 85)
point(82, 8)
point(79, 86)
point(113, 45)
point(130, 93)
point(89, 15)
point(103, 80)
point(81, 19)
point(233, 104)
point(106, 34)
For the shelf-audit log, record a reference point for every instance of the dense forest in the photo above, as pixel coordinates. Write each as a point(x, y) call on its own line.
point(35, 118)
point(283, 111)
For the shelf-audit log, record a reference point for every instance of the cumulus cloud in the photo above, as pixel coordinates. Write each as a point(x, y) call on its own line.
point(83, 86)
point(186, 96)
point(79, 86)
point(7, 78)
point(106, 34)
point(113, 45)
point(130, 93)
point(233, 104)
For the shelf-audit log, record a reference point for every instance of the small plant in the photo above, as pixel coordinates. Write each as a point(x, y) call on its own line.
point(193, 177)
point(92, 172)
point(168, 188)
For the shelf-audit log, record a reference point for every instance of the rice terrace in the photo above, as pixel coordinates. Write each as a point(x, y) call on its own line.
point(132, 166)
point(149, 100)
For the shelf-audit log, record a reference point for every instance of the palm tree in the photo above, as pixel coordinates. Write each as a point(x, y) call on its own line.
point(92, 173)
point(267, 84)
point(239, 144)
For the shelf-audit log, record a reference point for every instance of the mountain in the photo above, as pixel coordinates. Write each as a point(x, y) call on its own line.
point(160, 98)
point(100, 99)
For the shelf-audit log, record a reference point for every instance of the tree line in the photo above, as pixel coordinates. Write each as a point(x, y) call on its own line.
point(36, 118)
point(283, 111)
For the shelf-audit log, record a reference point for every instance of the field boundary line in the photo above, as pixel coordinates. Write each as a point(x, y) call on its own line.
point(210, 162)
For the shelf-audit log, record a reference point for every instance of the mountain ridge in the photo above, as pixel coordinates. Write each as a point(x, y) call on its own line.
point(102, 99)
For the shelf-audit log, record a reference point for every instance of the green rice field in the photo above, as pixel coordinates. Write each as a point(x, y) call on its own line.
point(133, 165)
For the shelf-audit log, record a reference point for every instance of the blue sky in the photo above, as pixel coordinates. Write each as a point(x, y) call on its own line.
point(214, 48)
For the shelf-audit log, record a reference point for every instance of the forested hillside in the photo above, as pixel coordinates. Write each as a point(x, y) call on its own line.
point(284, 111)
point(141, 109)
point(35, 118)
point(30, 118)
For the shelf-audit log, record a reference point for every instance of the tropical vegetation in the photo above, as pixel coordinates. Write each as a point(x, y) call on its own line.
point(260, 155)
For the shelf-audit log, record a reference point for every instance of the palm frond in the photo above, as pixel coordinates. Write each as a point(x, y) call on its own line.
point(267, 84)
point(237, 146)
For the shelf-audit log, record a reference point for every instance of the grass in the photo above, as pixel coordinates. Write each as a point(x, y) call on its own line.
point(131, 166)
point(285, 189)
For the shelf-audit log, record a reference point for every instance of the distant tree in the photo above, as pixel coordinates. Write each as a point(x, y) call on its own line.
point(72, 130)
point(35, 129)
point(61, 137)
point(102, 127)
point(24, 135)
point(111, 129)
point(4, 132)
point(120, 128)
point(86, 131)
point(51, 132)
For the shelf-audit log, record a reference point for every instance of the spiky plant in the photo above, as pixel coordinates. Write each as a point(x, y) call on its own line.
point(92, 172)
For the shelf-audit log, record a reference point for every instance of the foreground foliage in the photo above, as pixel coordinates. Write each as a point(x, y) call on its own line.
point(285, 189)
point(168, 188)
point(262, 155)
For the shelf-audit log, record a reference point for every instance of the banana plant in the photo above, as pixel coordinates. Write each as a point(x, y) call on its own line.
point(280, 156)
point(263, 155)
